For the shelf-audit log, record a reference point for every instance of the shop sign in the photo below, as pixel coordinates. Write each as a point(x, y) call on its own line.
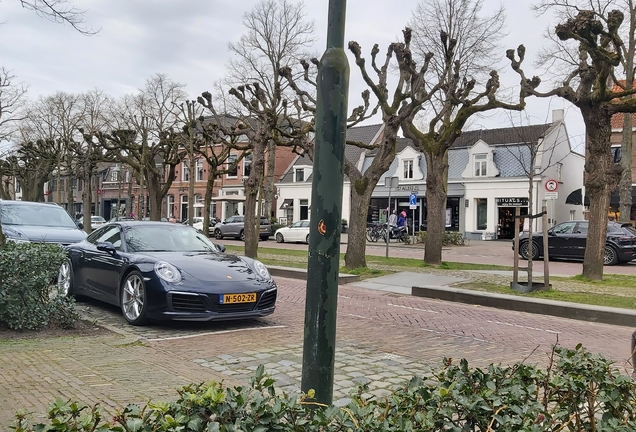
point(512, 202)
point(408, 188)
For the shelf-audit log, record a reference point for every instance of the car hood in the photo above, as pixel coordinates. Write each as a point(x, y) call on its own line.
point(44, 234)
point(208, 267)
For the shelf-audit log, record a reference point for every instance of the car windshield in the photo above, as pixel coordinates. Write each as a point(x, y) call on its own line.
point(46, 215)
point(163, 238)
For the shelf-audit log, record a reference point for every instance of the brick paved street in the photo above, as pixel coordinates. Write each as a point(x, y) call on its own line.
point(383, 338)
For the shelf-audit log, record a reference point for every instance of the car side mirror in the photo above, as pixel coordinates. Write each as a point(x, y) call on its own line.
point(106, 247)
point(220, 246)
point(80, 225)
point(551, 232)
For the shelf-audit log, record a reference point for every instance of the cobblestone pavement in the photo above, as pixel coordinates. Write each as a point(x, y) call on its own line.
point(383, 339)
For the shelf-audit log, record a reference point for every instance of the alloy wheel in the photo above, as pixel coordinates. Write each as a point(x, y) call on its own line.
point(133, 297)
point(64, 279)
point(610, 257)
point(279, 238)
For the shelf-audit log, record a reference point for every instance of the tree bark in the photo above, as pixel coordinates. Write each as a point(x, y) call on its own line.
point(601, 178)
point(268, 194)
point(359, 198)
point(207, 200)
point(154, 195)
point(252, 185)
point(87, 199)
point(436, 193)
point(625, 186)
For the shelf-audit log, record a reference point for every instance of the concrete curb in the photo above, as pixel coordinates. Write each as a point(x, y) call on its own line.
point(601, 314)
point(300, 273)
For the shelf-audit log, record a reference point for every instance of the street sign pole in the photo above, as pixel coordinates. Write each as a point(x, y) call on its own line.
point(321, 305)
point(389, 182)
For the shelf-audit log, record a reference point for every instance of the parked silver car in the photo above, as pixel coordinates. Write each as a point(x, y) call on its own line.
point(24, 221)
point(234, 227)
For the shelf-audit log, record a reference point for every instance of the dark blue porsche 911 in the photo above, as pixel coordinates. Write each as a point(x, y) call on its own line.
point(164, 271)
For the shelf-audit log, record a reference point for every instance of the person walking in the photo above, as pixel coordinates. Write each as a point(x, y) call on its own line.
point(393, 219)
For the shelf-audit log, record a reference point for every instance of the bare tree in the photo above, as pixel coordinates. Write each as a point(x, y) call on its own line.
point(147, 136)
point(588, 87)
point(461, 84)
point(60, 11)
point(276, 34)
point(12, 99)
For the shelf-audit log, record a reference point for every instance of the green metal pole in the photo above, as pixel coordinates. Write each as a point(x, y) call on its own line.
point(319, 347)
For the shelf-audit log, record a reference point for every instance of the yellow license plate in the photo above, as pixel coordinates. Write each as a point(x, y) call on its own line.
point(238, 298)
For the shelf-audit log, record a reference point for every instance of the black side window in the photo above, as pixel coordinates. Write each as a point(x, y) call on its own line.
point(581, 228)
point(108, 234)
point(92, 237)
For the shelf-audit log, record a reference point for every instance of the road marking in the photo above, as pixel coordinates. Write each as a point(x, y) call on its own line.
point(412, 308)
point(524, 327)
point(214, 333)
point(356, 316)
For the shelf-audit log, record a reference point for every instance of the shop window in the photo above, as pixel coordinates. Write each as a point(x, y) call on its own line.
point(482, 213)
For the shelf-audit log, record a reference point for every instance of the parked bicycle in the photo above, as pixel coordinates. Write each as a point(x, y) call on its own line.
point(376, 232)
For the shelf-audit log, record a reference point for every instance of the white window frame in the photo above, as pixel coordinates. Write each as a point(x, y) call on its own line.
point(199, 169)
point(230, 159)
point(480, 164)
point(185, 171)
point(296, 171)
point(408, 169)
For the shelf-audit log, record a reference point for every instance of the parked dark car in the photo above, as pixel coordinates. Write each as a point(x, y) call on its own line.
point(166, 271)
point(25, 221)
point(568, 239)
point(234, 227)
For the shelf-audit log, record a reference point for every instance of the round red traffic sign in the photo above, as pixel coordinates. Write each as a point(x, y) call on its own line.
point(551, 185)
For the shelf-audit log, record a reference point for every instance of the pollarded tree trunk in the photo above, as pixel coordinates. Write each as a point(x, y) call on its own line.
point(436, 192)
point(87, 200)
point(625, 189)
point(359, 198)
point(154, 195)
point(207, 200)
point(252, 186)
point(601, 178)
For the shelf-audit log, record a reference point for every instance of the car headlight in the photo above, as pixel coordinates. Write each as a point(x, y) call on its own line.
point(261, 270)
point(167, 272)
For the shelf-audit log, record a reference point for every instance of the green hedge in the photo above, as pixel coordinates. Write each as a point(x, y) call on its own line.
point(578, 391)
point(28, 298)
point(449, 238)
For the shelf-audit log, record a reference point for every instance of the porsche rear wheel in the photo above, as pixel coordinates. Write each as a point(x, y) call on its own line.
point(526, 250)
point(134, 303)
point(610, 256)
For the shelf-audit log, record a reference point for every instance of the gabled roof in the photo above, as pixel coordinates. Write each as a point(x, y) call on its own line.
point(511, 135)
point(364, 134)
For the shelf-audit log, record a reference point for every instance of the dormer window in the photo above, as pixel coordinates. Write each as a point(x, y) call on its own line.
point(480, 163)
point(299, 175)
point(407, 164)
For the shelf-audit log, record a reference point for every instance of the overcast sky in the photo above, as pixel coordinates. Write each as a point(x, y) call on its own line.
point(187, 40)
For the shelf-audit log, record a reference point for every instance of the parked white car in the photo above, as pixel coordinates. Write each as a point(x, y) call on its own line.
point(296, 232)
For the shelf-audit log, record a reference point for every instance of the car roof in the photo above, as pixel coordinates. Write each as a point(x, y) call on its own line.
point(145, 223)
point(30, 203)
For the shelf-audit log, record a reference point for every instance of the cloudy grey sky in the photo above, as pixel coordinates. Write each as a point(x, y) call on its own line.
point(187, 40)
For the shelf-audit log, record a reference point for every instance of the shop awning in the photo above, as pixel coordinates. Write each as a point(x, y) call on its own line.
point(287, 203)
point(230, 198)
point(576, 198)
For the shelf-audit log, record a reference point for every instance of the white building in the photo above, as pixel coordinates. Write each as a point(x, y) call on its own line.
point(489, 175)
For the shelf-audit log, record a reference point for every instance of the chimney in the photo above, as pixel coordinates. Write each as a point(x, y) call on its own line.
point(558, 115)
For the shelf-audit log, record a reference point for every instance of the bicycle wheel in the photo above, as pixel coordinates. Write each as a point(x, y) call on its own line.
point(370, 234)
